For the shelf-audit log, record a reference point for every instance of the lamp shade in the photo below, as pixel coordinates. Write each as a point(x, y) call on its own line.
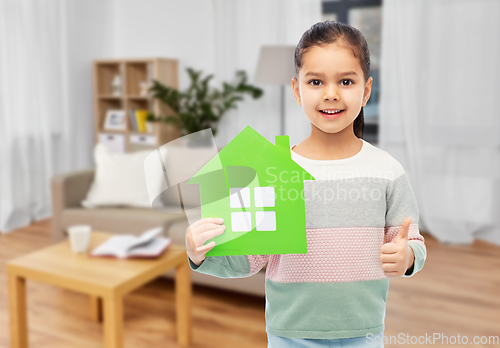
point(276, 65)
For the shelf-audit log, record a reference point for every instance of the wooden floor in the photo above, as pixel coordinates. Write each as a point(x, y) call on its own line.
point(457, 293)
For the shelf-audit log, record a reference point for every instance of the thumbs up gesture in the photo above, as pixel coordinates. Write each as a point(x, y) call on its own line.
point(397, 256)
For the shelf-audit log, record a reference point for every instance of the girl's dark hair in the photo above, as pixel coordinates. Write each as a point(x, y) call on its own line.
point(328, 32)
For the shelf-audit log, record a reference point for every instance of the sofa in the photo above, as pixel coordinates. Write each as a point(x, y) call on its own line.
point(70, 189)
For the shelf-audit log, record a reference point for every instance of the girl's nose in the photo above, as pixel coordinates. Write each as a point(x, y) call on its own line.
point(331, 93)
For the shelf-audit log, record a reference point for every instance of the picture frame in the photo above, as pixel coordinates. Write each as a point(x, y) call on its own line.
point(115, 120)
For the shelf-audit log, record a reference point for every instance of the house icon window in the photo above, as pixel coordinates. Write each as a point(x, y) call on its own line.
point(241, 221)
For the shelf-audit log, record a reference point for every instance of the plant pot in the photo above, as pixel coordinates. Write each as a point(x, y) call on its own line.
point(150, 127)
point(167, 132)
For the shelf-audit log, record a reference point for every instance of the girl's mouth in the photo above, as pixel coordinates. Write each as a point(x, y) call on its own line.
point(331, 115)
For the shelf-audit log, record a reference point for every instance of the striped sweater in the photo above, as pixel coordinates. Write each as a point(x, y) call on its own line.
point(338, 289)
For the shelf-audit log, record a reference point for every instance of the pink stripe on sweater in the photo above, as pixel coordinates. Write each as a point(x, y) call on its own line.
point(333, 255)
point(413, 234)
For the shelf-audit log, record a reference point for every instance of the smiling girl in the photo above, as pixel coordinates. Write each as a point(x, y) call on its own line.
point(361, 212)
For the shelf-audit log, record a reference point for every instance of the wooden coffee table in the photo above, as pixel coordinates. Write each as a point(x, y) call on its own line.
point(106, 280)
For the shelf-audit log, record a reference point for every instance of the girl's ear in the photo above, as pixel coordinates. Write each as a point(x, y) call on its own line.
point(296, 90)
point(368, 91)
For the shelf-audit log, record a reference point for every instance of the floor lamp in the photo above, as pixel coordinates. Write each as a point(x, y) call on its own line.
point(276, 66)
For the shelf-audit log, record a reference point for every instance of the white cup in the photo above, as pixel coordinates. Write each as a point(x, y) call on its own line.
point(79, 237)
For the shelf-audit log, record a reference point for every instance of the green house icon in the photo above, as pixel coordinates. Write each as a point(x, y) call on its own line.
point(258, 190)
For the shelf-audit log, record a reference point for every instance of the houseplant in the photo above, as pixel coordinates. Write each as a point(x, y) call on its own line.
point(201, 106)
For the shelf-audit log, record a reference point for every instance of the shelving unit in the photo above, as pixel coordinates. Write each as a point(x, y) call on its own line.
point(132, 73)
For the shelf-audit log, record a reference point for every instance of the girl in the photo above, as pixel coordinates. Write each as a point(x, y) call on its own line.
point(361, 212)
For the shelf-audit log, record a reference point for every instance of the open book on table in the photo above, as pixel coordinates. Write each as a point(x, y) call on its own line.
point(147, 245)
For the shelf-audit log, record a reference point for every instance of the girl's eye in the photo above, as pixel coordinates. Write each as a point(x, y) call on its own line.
point(313, 81)
point(351, 82)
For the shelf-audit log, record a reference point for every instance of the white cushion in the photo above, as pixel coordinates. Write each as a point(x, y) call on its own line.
point(119, 179)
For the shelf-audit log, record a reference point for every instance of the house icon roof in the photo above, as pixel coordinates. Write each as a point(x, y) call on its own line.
point(258, 190)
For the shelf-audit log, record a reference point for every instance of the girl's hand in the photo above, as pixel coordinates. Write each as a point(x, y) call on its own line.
point(397, 256)
point(198, 233)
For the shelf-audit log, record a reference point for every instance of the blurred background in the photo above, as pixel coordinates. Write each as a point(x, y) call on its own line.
point(78, 73)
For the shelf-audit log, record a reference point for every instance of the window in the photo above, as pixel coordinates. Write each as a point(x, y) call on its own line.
point(241, 221)
point(365, 15)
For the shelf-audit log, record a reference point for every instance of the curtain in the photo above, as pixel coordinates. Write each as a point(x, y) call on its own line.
point(35, 130)
point(240, 29)
point(440, 82)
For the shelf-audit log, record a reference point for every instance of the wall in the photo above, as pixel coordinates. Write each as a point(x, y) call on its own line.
point(90, 36)
point(172, 29)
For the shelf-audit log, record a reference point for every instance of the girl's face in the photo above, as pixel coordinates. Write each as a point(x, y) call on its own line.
point(331, 79)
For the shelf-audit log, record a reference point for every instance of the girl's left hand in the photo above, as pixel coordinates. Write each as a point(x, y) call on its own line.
point(397, 256)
